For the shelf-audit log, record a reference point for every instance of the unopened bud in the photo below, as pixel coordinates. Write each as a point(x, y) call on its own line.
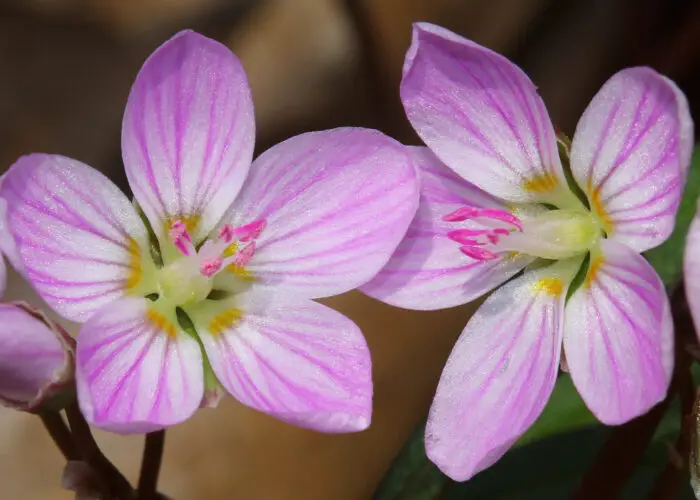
point(37, 360)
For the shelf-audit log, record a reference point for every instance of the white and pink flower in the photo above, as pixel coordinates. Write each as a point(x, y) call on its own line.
point(236, 251)
point(495, 202)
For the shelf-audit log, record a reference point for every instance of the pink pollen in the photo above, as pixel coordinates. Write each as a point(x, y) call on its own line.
point(210, 267)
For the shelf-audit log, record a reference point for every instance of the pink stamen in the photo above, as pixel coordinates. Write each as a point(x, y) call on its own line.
point(244, 256)
point(243, 233)
point(253, 230)
point(209, 267)
point(479, 244)
point(461, 214)
point(181, 238)
point(212, 253)
point(226, 233)
point(501, 215)
point(493, 238)
point(477, 253)
point(465, 236)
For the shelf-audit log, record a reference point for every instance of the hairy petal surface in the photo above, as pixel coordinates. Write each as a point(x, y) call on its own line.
point(482, 116)
point(337, 203)
point(136, 370)
point(291, 358)
point(500, 373)
point(81, 242)
point(34, 360)
point(188, 133)
point(618, 336)
point(630, 155)
point(427, 270)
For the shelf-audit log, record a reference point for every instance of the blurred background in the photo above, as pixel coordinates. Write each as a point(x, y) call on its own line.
point(65, 71)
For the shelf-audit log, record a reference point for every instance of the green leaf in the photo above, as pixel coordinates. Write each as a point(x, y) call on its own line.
point(564, 412)
point(411, 476)
point(667, 258)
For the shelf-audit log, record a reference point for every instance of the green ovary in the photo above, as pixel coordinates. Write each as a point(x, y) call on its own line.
point(555, 234)
point(182, 283)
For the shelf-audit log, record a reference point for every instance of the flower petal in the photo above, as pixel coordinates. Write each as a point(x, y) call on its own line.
point(291, 358)
point(136, 370)
point(337, 203)
point(81, 242)
point(630, 154)
point(34, 359)
point(482, 116)
point(691, 270)
point(428, 271)
point(618, 340)
point(188, 132)
point(500, 373)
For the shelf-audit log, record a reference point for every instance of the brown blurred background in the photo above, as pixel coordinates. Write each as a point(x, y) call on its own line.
point(65, 71)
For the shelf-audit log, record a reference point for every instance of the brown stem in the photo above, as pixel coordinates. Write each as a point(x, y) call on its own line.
point(150, 465)
point(113, 480)
point(620, 455)
point(60, 433)
point(671, 479)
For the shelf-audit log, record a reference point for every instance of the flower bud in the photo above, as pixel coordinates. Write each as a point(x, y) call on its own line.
point(37, 360)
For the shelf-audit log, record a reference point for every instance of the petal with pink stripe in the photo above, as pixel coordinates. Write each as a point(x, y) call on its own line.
point(630, 154)
point(137, 371)
point(291, 358)
point(336, 203)
point(33, 359)
point(691, 270)
point(500, 373)
point(81, 242)
point(482, 116)
point(427, 271)
point(188, 132)
point(618, 337)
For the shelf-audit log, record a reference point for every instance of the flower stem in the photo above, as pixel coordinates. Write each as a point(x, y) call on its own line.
point(150, 465)
point(60, 433)
point(110, 476)
point(620, 455)
point(670, 481)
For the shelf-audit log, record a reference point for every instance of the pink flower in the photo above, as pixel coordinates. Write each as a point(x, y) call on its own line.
point(481, 115)
point(244, 249)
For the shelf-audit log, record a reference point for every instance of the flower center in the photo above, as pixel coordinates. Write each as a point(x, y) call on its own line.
point(190, 278)
point(553, 234)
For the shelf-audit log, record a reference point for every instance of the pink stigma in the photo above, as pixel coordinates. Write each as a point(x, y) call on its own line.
point(480, 244)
